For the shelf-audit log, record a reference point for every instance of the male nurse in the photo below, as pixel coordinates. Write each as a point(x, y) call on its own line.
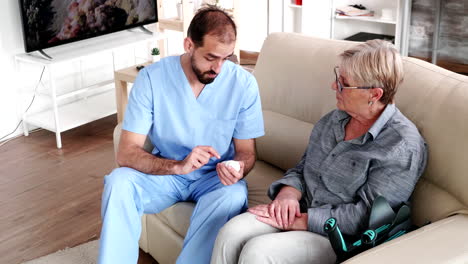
point(198, 109)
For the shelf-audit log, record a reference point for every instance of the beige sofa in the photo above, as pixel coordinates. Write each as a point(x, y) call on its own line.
point(294, 73)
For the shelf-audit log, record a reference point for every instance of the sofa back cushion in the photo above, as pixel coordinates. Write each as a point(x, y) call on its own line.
point(295, 73)
point(436, 100)
point(285, 140)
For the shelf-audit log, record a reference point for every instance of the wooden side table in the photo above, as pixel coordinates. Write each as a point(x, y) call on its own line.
point(121, 78)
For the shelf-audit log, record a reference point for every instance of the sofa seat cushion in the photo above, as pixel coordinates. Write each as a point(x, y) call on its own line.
point(443, 241)
point(177, 217)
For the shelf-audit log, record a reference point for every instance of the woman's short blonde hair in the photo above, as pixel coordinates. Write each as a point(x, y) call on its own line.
point(374, 63)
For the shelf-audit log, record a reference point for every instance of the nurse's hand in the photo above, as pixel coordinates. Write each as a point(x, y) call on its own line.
point(198, 158)
point(228, 175)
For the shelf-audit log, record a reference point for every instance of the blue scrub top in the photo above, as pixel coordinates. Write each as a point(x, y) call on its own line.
point(162, 105)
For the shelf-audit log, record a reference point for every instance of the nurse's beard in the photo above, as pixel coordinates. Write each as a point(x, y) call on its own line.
point(201, 75)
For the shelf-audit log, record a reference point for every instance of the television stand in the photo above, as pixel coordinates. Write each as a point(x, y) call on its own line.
point(64, 109)
point(45, 55)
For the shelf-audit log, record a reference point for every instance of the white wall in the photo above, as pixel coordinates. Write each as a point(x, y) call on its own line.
point(252, 24)
point(10, 44)
point(275, 16)
point(316, 18)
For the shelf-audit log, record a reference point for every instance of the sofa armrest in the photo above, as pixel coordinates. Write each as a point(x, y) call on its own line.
point(116, 137)
point(148, 146)
point(444, 241)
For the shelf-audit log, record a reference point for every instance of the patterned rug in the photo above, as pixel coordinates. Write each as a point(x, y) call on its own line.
point(82, 254)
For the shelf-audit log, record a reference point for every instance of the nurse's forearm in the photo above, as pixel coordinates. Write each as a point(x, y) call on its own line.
point(248, 158)
point(138, 159)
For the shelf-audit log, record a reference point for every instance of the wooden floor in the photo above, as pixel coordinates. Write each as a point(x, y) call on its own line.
point(50, 198)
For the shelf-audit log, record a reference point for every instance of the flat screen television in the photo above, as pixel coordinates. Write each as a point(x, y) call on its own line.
point(49, 23)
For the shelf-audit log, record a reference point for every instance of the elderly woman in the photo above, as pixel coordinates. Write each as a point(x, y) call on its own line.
point(363, 149)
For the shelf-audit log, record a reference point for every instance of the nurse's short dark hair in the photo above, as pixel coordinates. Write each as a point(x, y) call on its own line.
point(211, 20)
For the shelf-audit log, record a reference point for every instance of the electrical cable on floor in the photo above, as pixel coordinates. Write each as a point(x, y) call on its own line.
point(29, 106)
point(10, 139)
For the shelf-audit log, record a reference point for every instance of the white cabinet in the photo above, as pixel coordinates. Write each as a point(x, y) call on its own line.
point(344, 27)
point(89, 102)
point(318, 18)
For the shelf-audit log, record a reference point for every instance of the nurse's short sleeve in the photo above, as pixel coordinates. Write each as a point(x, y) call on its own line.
point(139, 113)
point(250, 119)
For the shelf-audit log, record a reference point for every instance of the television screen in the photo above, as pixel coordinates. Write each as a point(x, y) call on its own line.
point(48, 23)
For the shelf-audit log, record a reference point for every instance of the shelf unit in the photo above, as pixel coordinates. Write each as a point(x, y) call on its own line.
point(75, 114)
point(175, 24)
point(92, 102)
point(292, 13)
point(367, 19)
point(295, 6)
point(343, 26)
point(318, 18)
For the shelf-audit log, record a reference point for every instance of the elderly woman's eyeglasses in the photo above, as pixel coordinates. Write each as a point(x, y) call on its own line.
point(340, 86)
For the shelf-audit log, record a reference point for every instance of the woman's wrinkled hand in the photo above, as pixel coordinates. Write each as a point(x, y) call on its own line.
point(262, 213)
point(260, 210)
point(285, 208)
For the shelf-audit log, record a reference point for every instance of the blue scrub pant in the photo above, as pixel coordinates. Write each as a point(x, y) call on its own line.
point(129, 193)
